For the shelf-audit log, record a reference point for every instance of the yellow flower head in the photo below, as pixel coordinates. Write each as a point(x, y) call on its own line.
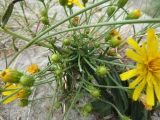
point(10, 75)
point(76, 2)
point(147, 71)
point(11, 88)
point(114, 32)
point(136, 13)
point(32, 69)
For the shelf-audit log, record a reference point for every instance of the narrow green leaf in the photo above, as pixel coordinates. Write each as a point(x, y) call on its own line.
point(8, 13)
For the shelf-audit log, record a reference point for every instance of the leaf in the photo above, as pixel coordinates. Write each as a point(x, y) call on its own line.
point(138, 112)
point(8, 12)
point(101, 107)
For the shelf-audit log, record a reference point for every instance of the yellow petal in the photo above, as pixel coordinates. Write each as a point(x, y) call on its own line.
point(156, 84)
point(10, 99)
point(157, 90)
point(129, 74)
point(150, 95)
point(152, 43)
point(135, 82)
point(138, 90)
point(8, 93)
point(134, 56)
point(134, 44)
point(76, 2)
point(149, 78)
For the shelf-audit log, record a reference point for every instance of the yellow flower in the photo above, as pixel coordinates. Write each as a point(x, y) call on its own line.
point(147, 71)
point(137, 13)
point(76, 2)
point(10, 75)
point(32, 69)
point(11, 88)
point(114, 32)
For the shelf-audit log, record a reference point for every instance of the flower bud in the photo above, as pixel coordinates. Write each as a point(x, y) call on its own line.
point(23, 102)
point(122, 3)
point(110, 10)
point(135, 14)
point(10, 75)
point(95, 93)
point(24, 93)
point(115, 41)
point(44, 20)
point(44, 13)
point(87, 107)
point(101, 71)
point(97, 44)
point(84, 113)
point(57, 105)
point(63, 2)
point(55, 58)
point(75, 21)
point(27, 80)
point(66, 42)
point(58, 72)
point(114, 32)
point(112, 52)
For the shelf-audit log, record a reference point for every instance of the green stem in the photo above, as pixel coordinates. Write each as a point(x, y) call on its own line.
point(72, 103)
point(114, 63)
point(5, 30)
point(104, 24)
point(103, 86)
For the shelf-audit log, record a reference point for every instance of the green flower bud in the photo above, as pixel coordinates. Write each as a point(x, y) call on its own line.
point(122, 3)
point(57, 105)
point(10, 75)
point(101, 71)
point(44, 20)
point(63, 2)
point(23, 102)
point(95, 93)
point(135, 14)
point(84, 113)
point(115, 41)
point(44, 13)
point(55, 58)
point(27, 80)
point(110, 10)
point(97, 44)
point(58, 72)
point(66, 42)
point(87, 107)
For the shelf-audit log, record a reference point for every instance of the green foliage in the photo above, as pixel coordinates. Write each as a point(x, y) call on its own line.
point(84, 60)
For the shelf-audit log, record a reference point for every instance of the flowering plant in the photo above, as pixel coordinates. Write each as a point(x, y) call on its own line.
point(86, 66)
